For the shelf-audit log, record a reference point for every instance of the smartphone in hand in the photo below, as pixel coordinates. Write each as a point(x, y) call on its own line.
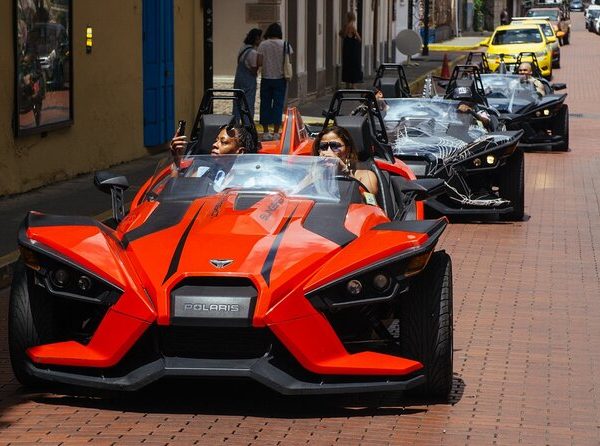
point(181, 128)
point(174, 153)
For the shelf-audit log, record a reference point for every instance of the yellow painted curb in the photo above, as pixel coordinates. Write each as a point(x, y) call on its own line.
point(442, 47)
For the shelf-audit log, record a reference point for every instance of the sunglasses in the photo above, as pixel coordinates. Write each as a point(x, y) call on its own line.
point(335, 146)
point(230, 131)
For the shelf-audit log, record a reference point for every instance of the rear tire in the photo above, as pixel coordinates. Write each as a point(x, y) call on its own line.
point(29, 317)
point(561, 126)
point(426, 326)
point(512, 185)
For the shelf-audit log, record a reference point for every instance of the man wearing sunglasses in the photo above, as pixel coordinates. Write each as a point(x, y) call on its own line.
point(526, 72)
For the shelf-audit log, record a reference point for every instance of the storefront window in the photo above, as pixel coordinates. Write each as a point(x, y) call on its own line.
point(43, 58)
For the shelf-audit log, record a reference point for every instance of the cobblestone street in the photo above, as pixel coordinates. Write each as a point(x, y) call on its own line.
point(527, 331)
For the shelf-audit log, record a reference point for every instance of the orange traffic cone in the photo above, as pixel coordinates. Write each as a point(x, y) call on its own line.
point(445, 68)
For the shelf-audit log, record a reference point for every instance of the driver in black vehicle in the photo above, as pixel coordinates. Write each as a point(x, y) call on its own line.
point(526, 72)
point(469, 106)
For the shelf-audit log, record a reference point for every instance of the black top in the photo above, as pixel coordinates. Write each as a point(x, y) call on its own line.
point(351, 60)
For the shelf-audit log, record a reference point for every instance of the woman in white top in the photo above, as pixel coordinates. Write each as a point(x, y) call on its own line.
point(273, 84)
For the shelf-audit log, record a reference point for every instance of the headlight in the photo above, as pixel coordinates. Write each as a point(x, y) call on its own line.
point(64, 279)
point(379, 285)
point(541, 53)
point(492, 56)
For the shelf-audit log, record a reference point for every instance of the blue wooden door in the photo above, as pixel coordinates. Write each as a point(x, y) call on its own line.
point(158, 71)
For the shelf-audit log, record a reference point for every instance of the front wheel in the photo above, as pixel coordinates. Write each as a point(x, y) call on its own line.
point(426, 326)
point(29, 316)
point(512, 185)
point(561, 127)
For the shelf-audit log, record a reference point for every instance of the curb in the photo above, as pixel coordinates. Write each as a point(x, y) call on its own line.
point(442, 47)
point(7, 261)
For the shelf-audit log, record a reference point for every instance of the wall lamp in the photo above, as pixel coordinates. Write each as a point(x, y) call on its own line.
point(88, 39)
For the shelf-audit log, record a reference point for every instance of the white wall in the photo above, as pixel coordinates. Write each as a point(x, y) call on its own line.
point(320, 35)
point(229, 30)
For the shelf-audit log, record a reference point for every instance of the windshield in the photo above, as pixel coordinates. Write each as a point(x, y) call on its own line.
point(410, 122)
point(311, 177)
point(553, 15)
point(515, 36)
point(508, 92)
point(594, 13)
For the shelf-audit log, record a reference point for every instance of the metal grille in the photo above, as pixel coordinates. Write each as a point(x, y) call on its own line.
point(215, 343)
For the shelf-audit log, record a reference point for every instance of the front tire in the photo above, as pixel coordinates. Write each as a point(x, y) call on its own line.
point(512, 185)
point(426, 326)
point(29, 316)
point(561, 126)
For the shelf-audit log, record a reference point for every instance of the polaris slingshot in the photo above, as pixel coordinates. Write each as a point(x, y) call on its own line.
point(261, 266)
point(544, 119)
point(483, 171)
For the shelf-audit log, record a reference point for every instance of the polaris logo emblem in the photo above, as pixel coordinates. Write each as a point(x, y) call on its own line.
point(227, 308)
point(220, 263)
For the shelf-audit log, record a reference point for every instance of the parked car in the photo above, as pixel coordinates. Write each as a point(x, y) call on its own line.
point(591, 16)
point(548, 31)
point(508, 41)
point(559, 18)
point(576, 5)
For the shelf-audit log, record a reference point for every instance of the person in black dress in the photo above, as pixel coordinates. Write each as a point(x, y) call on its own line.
point(351, 52)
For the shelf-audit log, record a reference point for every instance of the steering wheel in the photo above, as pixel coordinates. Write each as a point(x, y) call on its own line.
point(351, 178)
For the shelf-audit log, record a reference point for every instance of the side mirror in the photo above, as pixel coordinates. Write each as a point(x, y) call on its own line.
point(114, 185)
point(558, 86)
point(551, 39)
point(485, 42)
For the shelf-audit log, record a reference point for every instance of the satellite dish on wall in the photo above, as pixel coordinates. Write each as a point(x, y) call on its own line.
point(409, 43)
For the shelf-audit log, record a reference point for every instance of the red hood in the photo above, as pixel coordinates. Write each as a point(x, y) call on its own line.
point(264, 242)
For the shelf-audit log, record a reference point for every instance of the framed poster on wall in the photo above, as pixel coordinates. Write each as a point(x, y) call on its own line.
point(43, 61)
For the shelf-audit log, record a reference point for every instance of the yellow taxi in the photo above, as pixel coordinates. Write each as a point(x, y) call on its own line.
point(510, 40)
point(549, 32)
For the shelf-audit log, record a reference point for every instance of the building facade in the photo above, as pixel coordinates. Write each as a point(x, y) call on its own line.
point(143, 70)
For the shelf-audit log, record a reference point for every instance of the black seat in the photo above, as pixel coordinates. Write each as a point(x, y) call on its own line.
point(360, 131)
point(206, 132)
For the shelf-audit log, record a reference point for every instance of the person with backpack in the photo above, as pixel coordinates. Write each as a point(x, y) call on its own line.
point(247, 70)
point(272, 60)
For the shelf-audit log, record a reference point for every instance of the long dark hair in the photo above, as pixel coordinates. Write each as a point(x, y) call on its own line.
point(253, 34)
point(346, 138)
point(274, 30)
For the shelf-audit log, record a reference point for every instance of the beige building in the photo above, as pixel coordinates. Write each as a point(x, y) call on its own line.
point(311, 26)
point(108, 88)
point(124, 95)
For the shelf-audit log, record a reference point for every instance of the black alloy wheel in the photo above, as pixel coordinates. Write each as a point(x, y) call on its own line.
point(426, 326)
point(511, 181)
point(561, 127)
point(29, 323)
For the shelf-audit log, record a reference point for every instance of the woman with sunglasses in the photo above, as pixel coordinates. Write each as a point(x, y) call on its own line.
point(336, 141)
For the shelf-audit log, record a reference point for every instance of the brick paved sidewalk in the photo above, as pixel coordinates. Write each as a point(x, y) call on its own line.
point(527, 331)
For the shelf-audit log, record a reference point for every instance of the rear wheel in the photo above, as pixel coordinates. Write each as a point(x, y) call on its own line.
point(561, 127)
point(512, 185)
point(29, 316)
point(426, 326)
